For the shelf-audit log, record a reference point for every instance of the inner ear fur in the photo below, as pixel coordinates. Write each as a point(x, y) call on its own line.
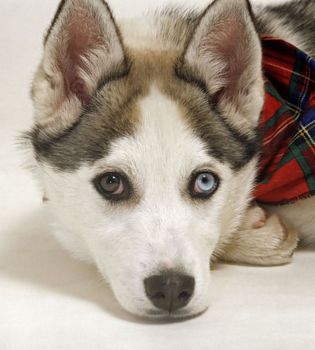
point(225, 55)
point(82, 47)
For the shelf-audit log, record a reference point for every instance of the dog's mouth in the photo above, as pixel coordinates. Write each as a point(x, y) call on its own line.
point(173, 316)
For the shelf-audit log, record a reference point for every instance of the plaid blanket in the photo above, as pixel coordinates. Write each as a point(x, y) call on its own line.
point(287, 165)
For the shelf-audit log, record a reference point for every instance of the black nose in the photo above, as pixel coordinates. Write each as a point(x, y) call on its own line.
point(169, 291)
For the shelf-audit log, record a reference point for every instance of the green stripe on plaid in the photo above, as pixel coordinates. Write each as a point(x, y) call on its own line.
point(287, 167)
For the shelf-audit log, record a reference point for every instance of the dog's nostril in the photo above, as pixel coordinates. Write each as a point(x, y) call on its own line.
point(184, 295)
point(159, 295)
point(169, 291)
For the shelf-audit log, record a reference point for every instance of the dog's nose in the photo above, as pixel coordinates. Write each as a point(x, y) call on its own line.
point(169, 291)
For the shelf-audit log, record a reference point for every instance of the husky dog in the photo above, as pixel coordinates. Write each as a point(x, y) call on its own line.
point(145, 140)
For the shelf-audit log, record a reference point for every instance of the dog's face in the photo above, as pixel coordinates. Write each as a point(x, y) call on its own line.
point(148, 156)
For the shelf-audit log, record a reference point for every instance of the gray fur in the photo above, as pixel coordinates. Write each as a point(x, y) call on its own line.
point(89, 138)
point(294, 18)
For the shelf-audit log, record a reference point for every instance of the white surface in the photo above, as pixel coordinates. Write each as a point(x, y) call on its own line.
point(49, 301)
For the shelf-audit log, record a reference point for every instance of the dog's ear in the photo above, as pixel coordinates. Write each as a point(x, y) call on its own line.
point(82, 47)
point(224, 55)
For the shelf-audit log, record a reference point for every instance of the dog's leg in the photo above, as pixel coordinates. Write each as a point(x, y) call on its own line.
point(261, 240)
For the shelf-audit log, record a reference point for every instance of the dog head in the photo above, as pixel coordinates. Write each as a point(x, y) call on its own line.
point(147, 152)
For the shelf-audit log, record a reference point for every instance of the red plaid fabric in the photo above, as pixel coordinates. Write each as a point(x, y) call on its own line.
point(287, 165)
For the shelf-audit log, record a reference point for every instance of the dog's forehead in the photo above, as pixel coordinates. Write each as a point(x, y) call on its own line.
point(162, 142)
point(162, 137)
point(118, 109)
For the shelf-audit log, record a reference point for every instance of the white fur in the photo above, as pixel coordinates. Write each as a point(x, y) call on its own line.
point(300, 215)
point(166, 230)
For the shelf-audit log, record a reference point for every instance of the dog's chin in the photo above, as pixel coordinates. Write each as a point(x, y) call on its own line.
point(180, 315)
point(154, 314)
point(165, 316)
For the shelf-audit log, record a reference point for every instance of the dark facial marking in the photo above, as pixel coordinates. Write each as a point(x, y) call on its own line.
point(87, 140)
point(224, 141)
point(112, 113)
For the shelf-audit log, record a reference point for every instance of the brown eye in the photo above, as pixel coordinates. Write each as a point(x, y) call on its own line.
point(203, 185)
point(113, 186)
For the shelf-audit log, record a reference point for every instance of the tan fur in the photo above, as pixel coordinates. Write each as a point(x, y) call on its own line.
point(263, 239)
point(256, 241)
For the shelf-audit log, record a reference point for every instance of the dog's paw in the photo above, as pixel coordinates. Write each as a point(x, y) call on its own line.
point(261, 240)
point(256, 218)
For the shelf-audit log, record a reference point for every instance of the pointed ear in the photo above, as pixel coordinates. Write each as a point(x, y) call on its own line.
point(225, 55)
point(82, 47)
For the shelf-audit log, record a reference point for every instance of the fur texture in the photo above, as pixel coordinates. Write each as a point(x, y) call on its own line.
point(159, 100)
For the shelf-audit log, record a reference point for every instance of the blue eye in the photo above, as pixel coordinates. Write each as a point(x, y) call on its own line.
point(204, 185)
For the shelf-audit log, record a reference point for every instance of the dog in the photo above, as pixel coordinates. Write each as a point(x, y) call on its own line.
point(146, 143)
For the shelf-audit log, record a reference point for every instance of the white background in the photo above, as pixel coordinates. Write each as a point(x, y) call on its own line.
point(49, 301)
